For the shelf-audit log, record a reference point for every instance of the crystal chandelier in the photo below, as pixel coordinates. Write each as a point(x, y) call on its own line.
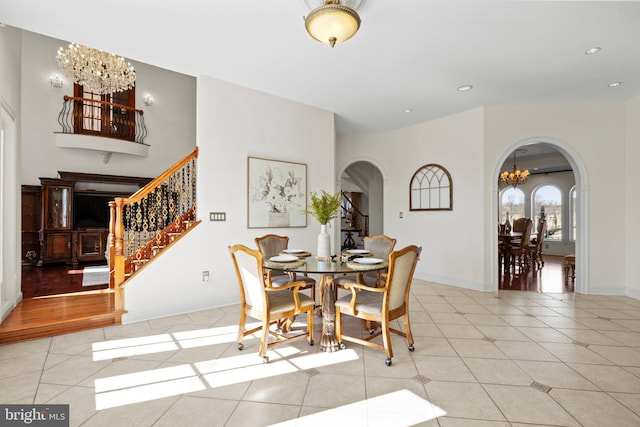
point(95, 70)
point(332, 22)
point(516, 177)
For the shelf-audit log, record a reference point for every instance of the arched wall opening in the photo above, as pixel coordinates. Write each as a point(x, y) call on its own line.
point(367, 177)
point(581, 207)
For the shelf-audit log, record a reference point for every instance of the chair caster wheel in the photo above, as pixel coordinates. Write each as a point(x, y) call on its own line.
point(240, 346)
point(342, 346)
point(371, 331)
point(311, 343)
point(411, 347)
point(387, 362)
point(265, 359)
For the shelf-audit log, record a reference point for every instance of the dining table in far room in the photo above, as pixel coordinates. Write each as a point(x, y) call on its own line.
point(506, 239)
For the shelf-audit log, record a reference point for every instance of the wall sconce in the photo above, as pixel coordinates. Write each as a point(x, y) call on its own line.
point(148, 100)
point(56, 81)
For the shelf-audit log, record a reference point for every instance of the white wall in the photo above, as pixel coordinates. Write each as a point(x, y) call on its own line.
point(233, 123)
point(170, 121)
point(632, 178)
point(596, 132)
point(10, 293)
point(452, 241)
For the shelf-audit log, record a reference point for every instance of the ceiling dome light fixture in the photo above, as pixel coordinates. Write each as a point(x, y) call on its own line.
point(464, 88)
point(332, 23)
point(95, 70)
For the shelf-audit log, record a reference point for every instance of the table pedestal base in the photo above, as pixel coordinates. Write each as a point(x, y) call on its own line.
point(328, 342)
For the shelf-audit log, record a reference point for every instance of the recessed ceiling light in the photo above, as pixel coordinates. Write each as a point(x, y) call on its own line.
point(464, 88)
point(407, 110)
point(615, 84)
point(593, 51)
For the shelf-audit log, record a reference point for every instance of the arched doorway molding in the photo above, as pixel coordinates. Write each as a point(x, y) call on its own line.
point(582, 203)
point(374, 162)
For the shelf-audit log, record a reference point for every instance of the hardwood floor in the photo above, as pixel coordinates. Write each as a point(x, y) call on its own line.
point(55, 302)
point(549, 278)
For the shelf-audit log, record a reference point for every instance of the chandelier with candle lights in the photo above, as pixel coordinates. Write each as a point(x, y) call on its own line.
point(515, 177)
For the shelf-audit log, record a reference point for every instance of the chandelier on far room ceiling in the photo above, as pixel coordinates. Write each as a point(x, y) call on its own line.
point(516, 177)
point(95, 70)
point(333, 21)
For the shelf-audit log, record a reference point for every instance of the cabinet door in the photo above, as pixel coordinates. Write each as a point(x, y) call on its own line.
point(90, 245)
point(58, 246)
point(57, 205)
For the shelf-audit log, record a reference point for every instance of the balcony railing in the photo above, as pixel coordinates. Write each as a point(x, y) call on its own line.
point(86, 116)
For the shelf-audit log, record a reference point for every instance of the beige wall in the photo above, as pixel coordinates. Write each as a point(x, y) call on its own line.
point(595, 135)
point(452, 241)
point(632, 196)
point(170, 121)
point(233, 123)
point(10, 293)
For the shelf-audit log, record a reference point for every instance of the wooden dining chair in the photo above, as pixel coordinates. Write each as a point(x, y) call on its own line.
point(534, 249)
point(382, 304)
point(380, 246)
point(518, 225)
point(267, 303)
point(271, 245)
point(518, 252)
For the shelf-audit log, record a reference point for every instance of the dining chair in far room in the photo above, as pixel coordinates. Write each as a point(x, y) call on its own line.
point(382, 304)
point(534, 249)
point(518, 251)
point(271, 245)
point(518, 225)
point(380, 246)
point(267, 303)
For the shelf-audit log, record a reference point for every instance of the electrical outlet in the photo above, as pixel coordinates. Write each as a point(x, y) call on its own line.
point(205, 276)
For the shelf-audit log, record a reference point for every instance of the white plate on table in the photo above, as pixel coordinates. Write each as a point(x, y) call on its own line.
point(283, 258)
point(366, 261)
point(357, 251)
point(294, 251)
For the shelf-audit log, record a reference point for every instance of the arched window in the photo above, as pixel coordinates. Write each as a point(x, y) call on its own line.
point(511, 202)
point(572, 213)
point(431, 189)
point(548, 200)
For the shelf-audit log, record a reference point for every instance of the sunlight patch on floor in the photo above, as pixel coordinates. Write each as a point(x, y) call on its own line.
point(399, 408)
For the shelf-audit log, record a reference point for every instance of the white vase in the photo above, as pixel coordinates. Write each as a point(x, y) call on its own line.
point(324, 243)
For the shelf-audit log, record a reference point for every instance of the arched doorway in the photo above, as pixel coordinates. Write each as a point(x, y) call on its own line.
point(575, 201)
point(362, 183)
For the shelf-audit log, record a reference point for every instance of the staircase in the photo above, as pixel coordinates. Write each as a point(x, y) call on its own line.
point(149, 222)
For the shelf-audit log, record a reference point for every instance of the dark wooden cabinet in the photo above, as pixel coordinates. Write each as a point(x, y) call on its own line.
point(55, 233)
point(89, 245)
point(57, 247)
point(66, 219)
point(30, 226)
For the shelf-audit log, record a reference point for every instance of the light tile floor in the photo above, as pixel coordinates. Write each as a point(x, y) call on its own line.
point(481, 359)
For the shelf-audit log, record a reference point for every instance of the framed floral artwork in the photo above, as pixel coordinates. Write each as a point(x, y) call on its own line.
point(276, 193)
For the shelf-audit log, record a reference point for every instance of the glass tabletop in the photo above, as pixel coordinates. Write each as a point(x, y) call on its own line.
point(311, 265)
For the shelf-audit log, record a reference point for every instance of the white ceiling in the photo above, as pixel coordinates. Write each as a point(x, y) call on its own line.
point(407, 54)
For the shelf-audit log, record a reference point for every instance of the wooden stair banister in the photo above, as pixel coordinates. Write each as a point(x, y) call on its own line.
point(365, 218)
point(146, 223)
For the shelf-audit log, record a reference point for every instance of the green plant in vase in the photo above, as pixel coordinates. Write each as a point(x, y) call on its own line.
point(324, 208)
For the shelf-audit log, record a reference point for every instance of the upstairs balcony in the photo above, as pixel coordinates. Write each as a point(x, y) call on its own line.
point(95, 124)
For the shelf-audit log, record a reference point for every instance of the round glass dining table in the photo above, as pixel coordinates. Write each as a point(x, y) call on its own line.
point(327, 270)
